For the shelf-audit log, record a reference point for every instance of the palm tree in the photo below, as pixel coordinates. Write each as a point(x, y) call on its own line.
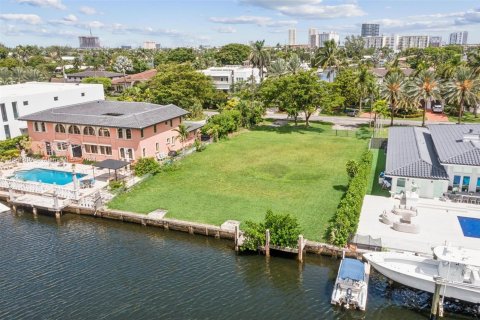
point(31, 74)
point(259, 56)
point(18, 74)
point(463, 89)
point(427, 87)
point(182, 131)
point(328, 57)
point(392, 90)
point(363, 82)
point(277, 68)
point(294, 64)
point(5, 76)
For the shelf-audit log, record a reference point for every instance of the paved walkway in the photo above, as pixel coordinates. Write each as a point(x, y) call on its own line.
point(437, 117)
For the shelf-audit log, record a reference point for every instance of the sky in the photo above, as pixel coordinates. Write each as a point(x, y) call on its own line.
point(174, 23)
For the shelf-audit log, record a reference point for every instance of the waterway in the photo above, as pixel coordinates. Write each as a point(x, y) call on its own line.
point(87, 268)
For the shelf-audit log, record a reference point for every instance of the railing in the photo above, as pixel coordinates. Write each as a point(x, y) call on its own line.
point(66, 193)
point(91, 202)
point(30, 187)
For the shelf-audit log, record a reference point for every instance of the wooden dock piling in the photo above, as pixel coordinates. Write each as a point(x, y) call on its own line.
point(434, 311)
point(267, 243)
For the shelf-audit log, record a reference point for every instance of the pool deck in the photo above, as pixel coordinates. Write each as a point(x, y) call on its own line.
point(438, 222)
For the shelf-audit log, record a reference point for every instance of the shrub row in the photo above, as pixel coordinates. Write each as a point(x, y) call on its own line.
point(345, 221)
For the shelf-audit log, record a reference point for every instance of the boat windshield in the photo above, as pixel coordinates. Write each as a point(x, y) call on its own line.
point(352, 269)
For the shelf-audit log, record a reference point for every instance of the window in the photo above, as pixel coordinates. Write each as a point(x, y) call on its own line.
point(144, 153)
point(122, 153)
point(74, 129)
point(166, 122)
point(104, 132)
point(157, 148)
point(171, 123)
point(25, 103)
point(168, 140)
point(55, 98)
point(7, 131)
point(173, 141)
point(39, 126)
point(465, 183)
point(60, 128)
point(15, 111)
point(89, 131)
point(124, 133)
point(91, 148)
point(83, 94)
point(106, 150)
point(62, 146)
point(456, 181)
point(477, 189)
point(180, 119)
point(401, 182)
point(126, 153)
point(154, 128)
point(4, 112)
point(141, 133)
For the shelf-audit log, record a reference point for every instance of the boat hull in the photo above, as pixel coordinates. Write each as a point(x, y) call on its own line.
point(421, 281)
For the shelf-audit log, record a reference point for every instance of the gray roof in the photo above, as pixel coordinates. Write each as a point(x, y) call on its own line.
point(92, 73)
point(136, 115)
point(194, 125)
point(450, 146)
point(411, 153)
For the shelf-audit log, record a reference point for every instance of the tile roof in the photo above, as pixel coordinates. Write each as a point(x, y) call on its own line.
point(117, 114)
point(142, 76)
point(93, 73)
point(411, 153)
point(451, 147)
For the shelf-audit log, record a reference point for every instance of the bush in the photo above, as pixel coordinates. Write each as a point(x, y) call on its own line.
point(345, 221)
point(88, 161)
point(116, 185)
point(352, 168)
point(284, 231)
point(145, 166)
point(220, 125)
point(199, 146)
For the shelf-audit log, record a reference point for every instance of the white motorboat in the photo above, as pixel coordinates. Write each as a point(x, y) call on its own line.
point(3, 208)
point(457, 269)
point(351, 286)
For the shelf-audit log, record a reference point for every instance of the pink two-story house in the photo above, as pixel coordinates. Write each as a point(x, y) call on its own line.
point(102, 130)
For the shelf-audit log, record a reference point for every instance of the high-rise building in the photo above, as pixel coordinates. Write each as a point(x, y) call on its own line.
point(312, 32)
point(458, 37)
point(381, 42)
point(149, 45)
point(435, 41)
point(327, 36)
point(292, 37)
point(89, 42)
point(158, 46)
point(370, 30)
point(126, 47)
point(406, 42)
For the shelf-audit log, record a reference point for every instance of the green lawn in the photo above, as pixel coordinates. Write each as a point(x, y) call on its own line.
point(378, 165)
point(289, 170)
point(468, 117)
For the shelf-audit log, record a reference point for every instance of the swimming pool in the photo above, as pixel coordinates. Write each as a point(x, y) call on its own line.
point(47, 176)
point(470, 226)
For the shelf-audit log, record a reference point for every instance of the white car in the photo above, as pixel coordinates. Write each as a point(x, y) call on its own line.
point(437, 108)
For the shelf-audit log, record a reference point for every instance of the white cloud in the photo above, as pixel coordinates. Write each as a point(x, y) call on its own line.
point(22, 18)
point(88, 10)
point(257, 20)
point(71, 18)
point(57, 4)
point(226, 29)
point(308, 9)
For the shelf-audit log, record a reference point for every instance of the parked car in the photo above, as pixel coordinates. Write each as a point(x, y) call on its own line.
point(437, 108)
point(351, 112)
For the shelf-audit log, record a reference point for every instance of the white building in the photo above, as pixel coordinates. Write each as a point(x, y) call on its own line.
point(224, 77)
point(318, 40)
point(312, 32)
point(292, 37)
point(407, 42)
point(25, 98)
point(435, 41)
point(382, 42)
point(149, 45)
point(459, 38)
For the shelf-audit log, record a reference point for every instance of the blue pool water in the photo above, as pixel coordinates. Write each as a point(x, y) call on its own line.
point(47, 176)
point(470, 226)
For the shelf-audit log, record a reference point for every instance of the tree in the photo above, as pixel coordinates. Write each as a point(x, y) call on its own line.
point(123, 64)
point(328, 57)
point(106, 82)
point(277, 68)
point(180, 55)
point(392, 90)
point(345, 81)
point(463, 89)
point(31, 74)
point(354, 47)
point(363, 81)
point(425, 86)
point(5, 76)
point(352, 167)
point(259, 57)
point(233, 53)
point(294, 64)
point(183, 133)
point(380, 108)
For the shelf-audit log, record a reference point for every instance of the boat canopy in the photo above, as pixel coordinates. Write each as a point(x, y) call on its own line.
point(352, 269)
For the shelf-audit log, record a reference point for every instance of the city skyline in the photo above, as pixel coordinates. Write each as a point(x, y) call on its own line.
point(193, 23)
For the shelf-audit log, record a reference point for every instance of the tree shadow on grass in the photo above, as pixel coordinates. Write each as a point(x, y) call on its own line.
point(288, 129)
point(340, 187)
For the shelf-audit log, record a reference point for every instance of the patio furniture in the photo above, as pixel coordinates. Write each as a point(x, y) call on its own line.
point(387, 218)
point(86, 183)
point(406, 227)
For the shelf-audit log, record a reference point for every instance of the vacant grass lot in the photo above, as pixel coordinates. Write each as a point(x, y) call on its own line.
point(300, 171)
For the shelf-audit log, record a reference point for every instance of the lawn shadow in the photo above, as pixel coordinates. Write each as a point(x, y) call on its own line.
point(341, 187)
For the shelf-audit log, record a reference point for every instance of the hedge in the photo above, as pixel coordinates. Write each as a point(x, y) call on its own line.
point(345, 221)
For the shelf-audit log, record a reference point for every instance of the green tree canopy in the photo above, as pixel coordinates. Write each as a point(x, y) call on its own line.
point(233, 53)
point(106, 82)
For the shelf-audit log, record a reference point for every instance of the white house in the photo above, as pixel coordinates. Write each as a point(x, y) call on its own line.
point(18, 100)
point(224, 77)
point(435, 159)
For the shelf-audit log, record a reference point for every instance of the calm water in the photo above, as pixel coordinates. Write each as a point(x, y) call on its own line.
point(47, 176)
point(87, 268)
